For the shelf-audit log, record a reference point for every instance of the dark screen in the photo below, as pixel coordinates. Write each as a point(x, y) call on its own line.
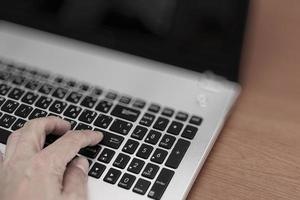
point(195, 34)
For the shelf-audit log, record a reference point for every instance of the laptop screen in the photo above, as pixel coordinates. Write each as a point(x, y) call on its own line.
point(199, 35)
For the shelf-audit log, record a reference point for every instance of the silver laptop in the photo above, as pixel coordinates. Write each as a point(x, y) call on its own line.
point(158, 78)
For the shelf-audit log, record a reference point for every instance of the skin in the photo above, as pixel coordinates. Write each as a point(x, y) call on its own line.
point(27, 171)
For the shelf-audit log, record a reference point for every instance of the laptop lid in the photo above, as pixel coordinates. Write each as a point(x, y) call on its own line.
point(199, 35)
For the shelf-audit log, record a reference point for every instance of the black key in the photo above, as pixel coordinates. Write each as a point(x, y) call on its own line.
point(104, 106)
point(46, 89)
point(147, 119)
point(72, 111)
point(125, 99)
point(16, 93)
point(103, 121)
point(4, 89)
point(136, 166)
point(111, 95)
point(139, 132)
point(120, 126)
point(10, 106)
point(141, 186)
point(161, 124)
point(112, 176)
point(196, 120)
point(138, 103)
point(18, 80)
point(97, 170)
point(126, 181)
point(97, 91)
point(2, 100)
point(161, 184)
point(59, 80)
point(106, 155)
point(168, 112)
point(43, 102)
point(89, 101)
point(121, 161)
point(90, 151)
point(7, 120)
point(154, 108)
point(23, 111)
point(159, 156)
point(82, 126)
point(189, 132)
point(29, 98)
point(37, 113)
point(167, 141)
point(72, 122)
point(50, 139)
point(84, 87)
point(144, 151)
point(182, 116)
point(4, 75)
point(150, 171)
point(87, 116)
point(74, 97)
point(175, 128)
point(111, 140)
point(71, 83)
point(18, 124)
point(4, 134)
point(153, 137)
point(60, 93)
point(130, 146)
point(58, 107)
point(32, 85)
point(177, 153)
point(126, 113)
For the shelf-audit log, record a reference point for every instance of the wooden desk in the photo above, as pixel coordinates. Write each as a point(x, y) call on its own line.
point(257, 155)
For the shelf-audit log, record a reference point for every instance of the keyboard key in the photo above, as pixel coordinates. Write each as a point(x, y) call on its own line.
point(161, 184)
point(126, 181)
point(181, 116)
point(126, 113)
point(23, 111)
point(71, 83)
point(97, 170)
point(46, 89)
point(84, 87)
point(150, 171)
point(59, 80)
point(89, 101)
point(153, 137)
point(106, 155)
point(147, 119)
point(10, 106)
point(120, 126)
point(2, 100)
point(32, 85)
point(29, 98)
point(72, 111)
point(196, 120)
point(90, 151)
point(125, 100)
point(167, 141)
point(111, 140)
point(175, 128)
point(72, 122)
point(177, 153)
point(18, 80)
point(144, 151)
point(112, 176)
point(168, 112)
point(121, 161)
point(4, 89)
point(43, 102)
point(139, 104)
point(103, 121)
point(58, 107)
point(97, 92)
point(16, 93)
point(104, 106)
point(37, 113)
point(60, 93)
point(6, 120)
point(4, 134)
point(154, 108)
point(161, 124)
point(111, 95)
point(74, 97)
point(18, 124)
point(82, 126)
point(4, 75)
point(136, 166)
point(87, 116)
point(141, 186)
point(159, 156)
point(139, 132)
point(189, 132)
point(130, 146)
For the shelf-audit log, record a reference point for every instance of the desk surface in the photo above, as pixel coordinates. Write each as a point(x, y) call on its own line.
point(257, 155)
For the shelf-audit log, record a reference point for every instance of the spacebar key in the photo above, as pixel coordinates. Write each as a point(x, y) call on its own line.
point(110, 139)
point(4, 134)
point(125, 113)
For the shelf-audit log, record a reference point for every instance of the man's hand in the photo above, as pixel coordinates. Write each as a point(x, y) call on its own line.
point(27, 171)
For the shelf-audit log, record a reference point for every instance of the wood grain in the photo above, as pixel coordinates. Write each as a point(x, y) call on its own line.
point(257, 155)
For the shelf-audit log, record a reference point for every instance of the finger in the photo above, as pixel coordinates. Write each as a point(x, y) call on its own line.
point(1, 158)
point(33, 134)
point(75, 179)
point(63, 150)
point(11, 144)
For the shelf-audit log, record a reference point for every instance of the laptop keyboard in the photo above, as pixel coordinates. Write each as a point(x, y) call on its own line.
point(143, 145)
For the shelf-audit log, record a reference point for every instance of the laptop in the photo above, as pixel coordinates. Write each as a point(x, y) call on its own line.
point(158, 78)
